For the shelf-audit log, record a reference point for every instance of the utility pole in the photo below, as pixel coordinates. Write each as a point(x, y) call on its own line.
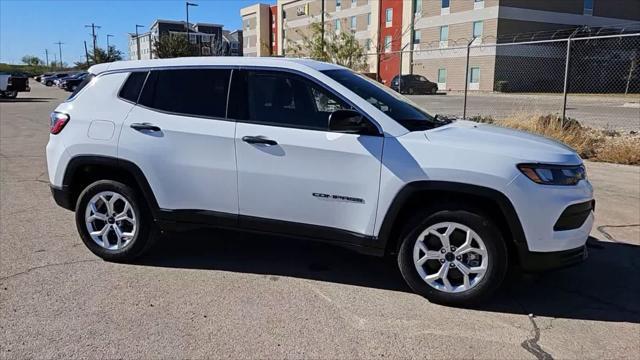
point(60, 48)
point(93, 34)
point(46, 56)
point(86, 52)
point(187, 4)
point(138, 40)
point(108, 47)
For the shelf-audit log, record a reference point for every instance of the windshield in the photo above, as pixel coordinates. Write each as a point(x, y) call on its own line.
point(396, 106)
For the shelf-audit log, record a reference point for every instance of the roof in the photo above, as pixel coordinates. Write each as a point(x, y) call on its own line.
point(276, 62)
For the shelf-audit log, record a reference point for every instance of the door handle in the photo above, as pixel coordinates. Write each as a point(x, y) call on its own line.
point(145, 126)
point(259, 140)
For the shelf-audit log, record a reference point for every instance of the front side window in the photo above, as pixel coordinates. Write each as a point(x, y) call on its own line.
point(386, 100)
point(281, 99)
point(477, 29)
point(199, 92)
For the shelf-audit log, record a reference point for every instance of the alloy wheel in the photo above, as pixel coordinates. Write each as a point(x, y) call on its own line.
point(111, 220)
point(450, 257)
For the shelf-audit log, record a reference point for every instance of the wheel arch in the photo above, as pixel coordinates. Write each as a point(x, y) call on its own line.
point(83, 170)
point(413, 195)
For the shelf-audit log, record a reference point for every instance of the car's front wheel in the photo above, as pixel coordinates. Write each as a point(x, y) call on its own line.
point(113, 221)
point(453, 257)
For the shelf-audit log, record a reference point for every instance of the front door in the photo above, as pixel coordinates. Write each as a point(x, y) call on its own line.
point(290, 167)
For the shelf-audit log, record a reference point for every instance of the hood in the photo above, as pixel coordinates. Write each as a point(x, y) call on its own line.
point(520, 145)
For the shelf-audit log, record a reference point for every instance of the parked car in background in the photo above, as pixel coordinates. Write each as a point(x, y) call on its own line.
point(71, 83)
point(413, 85)
point(38, 78)
point(59, 82)
point(10, 85)
point(48, 80)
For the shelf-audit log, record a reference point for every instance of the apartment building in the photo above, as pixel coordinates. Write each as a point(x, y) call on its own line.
point(207, 38)
point(429, 37)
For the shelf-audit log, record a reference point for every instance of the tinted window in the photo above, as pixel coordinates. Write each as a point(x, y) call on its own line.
point(281, 99)
point(84, 83)
point(131, 88)
point(395, 106)
point(200, 92)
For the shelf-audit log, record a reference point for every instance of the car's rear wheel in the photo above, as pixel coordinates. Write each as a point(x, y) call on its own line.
point(434, 90)
point(453, 257)
point(113, 221)
point(49, 83)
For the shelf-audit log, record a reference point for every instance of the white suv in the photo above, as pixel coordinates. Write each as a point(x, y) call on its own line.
point(312, 150)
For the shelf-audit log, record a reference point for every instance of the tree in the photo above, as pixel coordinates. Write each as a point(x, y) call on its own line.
point(102, 56)
point(171, 46)
point(32, 60)
point(339, 48)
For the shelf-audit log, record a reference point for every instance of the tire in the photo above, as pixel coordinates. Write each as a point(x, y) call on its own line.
point(138, 233)
point(434, 90)
point(11, 94)
point(49, 83)
point(73, 88)
point(410, 91)
point(458, 293)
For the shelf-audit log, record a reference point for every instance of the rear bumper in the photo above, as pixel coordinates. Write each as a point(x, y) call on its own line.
point(62, 197)
point(531, 261)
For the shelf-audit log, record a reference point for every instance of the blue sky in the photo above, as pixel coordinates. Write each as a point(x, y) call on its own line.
point(28, 27)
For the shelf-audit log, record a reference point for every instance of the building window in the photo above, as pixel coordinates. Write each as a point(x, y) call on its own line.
point(193, 38)
point(338, 25)
point(338, 4)
point(354, 23)
point(477, 29)
point(474, 75)
point(417, 35)
point(387, 43)
point(206, 39)
point(444, 33)
point(442, 76)
point(247, 24)
point(478, 4)
point(368, 44)
point(445, 4)
point(388, 17)
point(588, 7)
point(368, 19)
point(417, 5)
point(354, 3)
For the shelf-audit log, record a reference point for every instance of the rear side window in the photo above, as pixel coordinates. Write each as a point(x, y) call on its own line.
point(84, 83)
point(199, 92)
point(131, 88)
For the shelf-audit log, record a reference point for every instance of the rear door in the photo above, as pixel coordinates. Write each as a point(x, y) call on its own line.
point(179, 137)
point(290, 167)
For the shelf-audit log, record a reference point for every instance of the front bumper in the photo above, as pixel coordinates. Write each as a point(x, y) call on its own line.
point(541, 261)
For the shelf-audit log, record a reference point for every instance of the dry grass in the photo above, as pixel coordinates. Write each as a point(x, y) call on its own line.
point(592, 144)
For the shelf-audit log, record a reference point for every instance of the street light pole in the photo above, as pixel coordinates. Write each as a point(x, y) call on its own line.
point(187, 4)
point(138, 40)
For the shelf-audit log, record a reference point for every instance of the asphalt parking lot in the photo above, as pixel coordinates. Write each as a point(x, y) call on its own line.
point(226, 295)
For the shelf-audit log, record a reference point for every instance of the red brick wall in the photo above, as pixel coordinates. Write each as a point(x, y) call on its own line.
point(389, 64)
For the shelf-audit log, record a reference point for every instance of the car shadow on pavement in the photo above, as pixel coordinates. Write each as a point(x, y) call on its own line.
point(25, 100)
point(604, 288)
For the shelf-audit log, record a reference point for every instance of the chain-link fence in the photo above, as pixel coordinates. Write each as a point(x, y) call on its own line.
point(594, 79)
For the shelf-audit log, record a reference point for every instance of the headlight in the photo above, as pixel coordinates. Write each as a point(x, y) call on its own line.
point(554, 174)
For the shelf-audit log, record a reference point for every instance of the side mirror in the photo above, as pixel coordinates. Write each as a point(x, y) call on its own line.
point(351, 122)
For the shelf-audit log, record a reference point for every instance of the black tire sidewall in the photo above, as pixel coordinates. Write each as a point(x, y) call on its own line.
point(144, 221)
point(494, 243)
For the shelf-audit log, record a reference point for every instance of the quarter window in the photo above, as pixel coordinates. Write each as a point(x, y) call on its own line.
point(131, 88)
point(199, 92)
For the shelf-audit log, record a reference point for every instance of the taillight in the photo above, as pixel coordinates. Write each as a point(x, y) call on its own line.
point(58, 121)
